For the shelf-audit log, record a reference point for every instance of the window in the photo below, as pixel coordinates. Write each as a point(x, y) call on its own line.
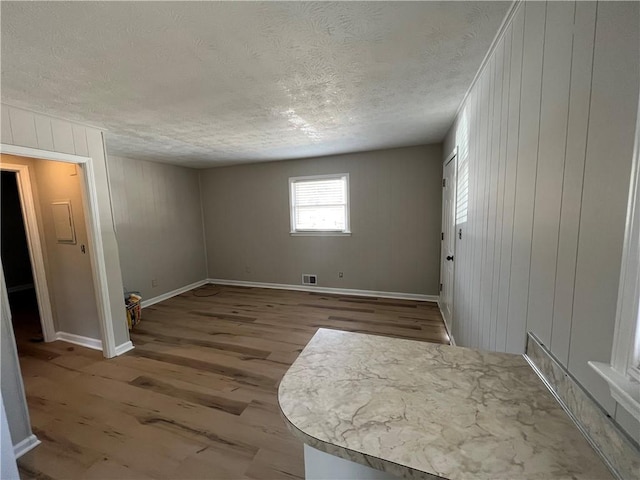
point(319, 204)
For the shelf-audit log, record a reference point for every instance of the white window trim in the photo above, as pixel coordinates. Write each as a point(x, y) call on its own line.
point(319, 233)
point(623, 373)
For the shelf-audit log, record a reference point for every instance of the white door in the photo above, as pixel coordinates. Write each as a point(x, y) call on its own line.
point(448, 239)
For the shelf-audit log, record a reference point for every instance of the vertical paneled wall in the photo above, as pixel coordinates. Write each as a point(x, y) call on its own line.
point(545, 139)
point(159, 225)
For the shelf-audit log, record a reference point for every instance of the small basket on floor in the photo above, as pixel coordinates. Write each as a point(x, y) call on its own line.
point(134, 309)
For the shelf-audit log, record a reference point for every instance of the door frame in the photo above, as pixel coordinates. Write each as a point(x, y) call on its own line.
point(452, 157)
point(36, 255)
point(94, 239)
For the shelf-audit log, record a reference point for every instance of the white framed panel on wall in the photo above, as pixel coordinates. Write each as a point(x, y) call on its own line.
point(63, 222)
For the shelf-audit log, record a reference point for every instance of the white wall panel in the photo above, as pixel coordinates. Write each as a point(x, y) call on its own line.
point(7, 136)
point(553, 133)
point(612, 117)
point(547, 132)
point(23, 128)
point(576, 144)
point(513, 135)
point(534, 25)
point(478, 212)
point(44, 133)
point(491, 197)
point(80, 140)
point(62, 136)
point(500, 155)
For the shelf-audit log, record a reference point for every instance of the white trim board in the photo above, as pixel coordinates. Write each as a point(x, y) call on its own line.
point(124, 348)
point(446, 326)
point(26, 445)
point(42, 154)
point(172, 293)
point(87, 342)
point(337, 291)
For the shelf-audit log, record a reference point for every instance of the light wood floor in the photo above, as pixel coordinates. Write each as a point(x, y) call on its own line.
point(197, 396)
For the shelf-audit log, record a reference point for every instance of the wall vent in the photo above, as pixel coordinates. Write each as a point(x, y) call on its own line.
point(309, 279)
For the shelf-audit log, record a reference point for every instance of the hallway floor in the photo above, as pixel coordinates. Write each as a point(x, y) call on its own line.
point(197, 397)
point(25, 317)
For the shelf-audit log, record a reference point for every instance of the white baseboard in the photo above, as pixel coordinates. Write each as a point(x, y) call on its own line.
point(125, 347)
point(25, 445)
point(336, 291)
point(20, 288)
point(172, 293)
point(446, 326)
point(93, 343)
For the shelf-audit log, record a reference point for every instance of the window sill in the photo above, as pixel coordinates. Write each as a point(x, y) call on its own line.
point(624, 390)
point(320, 234)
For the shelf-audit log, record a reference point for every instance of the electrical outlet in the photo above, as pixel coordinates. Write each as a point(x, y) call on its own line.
point(340, 274)
point(154, 283)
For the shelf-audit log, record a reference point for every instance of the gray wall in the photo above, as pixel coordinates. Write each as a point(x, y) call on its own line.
point(395, 200)
point(23, 128)
point(69, 274)
point(158, 218)
point(547, 135)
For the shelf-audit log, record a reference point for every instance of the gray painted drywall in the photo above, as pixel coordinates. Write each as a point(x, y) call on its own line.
point(69, 274)
point(548, 133)
point(159, 227)
point(395, 200)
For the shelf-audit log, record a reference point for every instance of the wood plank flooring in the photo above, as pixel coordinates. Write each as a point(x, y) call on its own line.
point(197, 398)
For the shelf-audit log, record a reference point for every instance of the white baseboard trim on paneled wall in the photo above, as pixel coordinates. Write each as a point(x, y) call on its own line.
point(172, 293)
point(25, 445)
point(93, 343)
point(335, 291)
point(124, 348)
point(446, 326)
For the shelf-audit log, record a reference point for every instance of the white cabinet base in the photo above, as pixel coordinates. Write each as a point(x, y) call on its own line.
point(322, 466)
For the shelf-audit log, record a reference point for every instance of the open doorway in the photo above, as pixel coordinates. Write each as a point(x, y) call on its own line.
point(53, 223)
point(18, 270)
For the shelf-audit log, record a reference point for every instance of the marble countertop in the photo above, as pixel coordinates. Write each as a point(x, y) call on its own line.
point(422, 410)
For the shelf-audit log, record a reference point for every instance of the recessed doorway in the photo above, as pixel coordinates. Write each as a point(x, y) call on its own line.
point(16, 262)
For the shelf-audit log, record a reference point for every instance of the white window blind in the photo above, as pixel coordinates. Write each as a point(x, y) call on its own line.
point(320, 203)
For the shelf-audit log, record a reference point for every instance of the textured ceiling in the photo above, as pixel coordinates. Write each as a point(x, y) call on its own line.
point(213, 83)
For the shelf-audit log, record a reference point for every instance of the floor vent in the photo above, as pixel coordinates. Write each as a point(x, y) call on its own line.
point(309, 279)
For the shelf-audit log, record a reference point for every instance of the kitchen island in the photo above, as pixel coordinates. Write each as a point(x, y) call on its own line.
point(374, 407)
